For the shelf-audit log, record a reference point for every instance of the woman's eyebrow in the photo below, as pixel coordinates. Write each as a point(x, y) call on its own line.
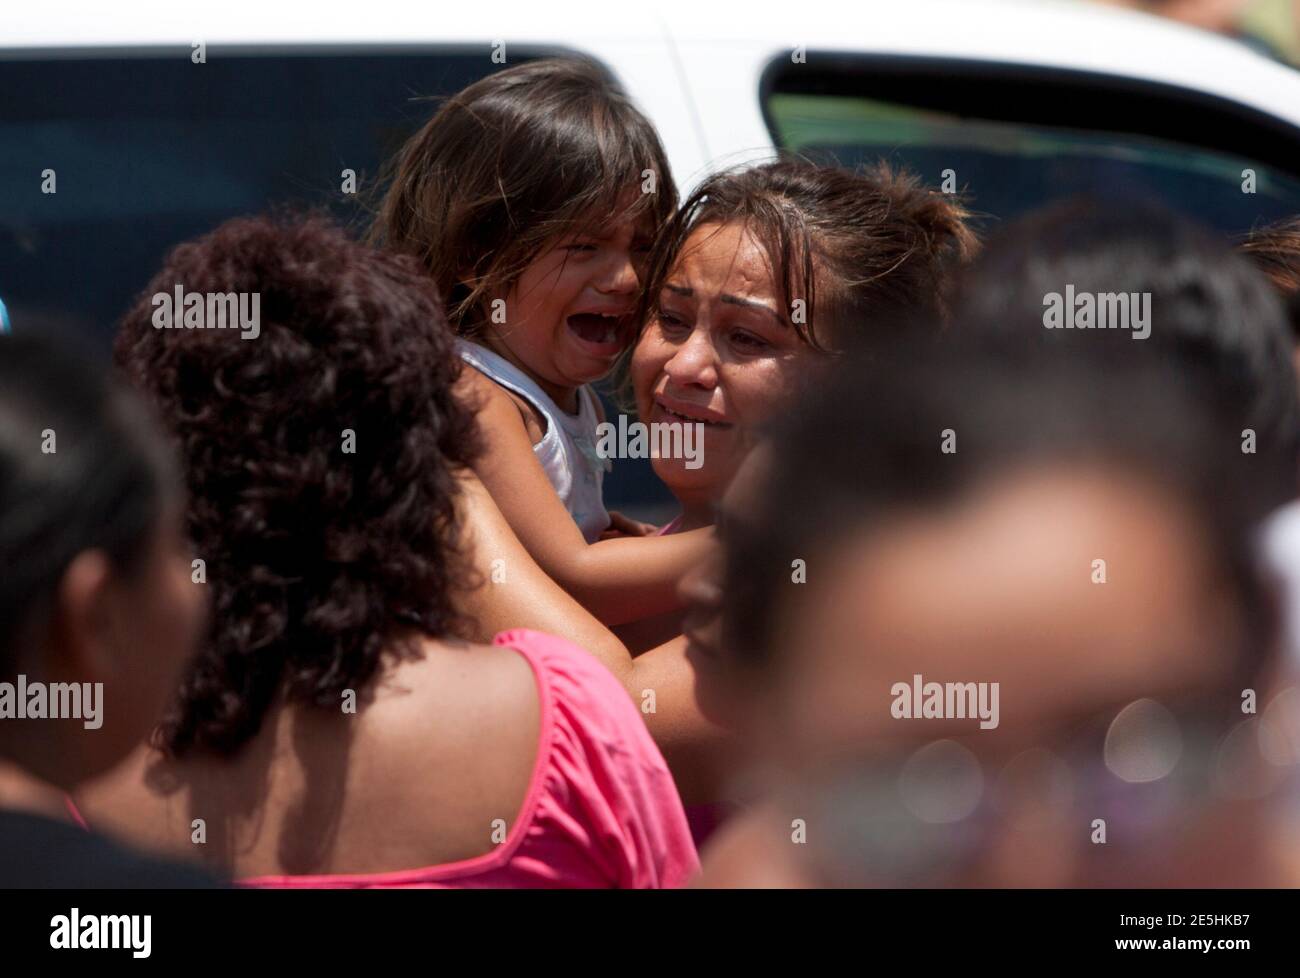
point(736, 300)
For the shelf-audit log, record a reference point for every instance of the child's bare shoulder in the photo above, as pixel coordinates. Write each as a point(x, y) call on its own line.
point(494, 404)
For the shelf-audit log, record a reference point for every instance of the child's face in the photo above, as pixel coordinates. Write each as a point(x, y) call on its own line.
point(571, 313)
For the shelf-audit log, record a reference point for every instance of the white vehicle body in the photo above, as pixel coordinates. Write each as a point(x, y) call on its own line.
point(694, 68)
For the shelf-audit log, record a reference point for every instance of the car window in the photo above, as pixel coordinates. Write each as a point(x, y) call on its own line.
point(149, 149)
point(1014, 139)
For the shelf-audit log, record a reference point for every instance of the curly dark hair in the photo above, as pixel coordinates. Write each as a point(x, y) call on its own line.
point(320, 560)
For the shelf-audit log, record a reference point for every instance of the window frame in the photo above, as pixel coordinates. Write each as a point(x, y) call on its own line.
point(1040, 95)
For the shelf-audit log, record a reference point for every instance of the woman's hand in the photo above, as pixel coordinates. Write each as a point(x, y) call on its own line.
point(625, 526)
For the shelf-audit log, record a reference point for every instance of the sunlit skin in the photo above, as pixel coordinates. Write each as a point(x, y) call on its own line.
point(161, 614)
point(997, 588)
point(720, 349)
point(593, 271)
point(1004, 579)
point(306, 793)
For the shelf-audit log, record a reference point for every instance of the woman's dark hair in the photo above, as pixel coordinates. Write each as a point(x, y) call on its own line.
point(319, 558)
point(508, 165)
point(1275, 250)
point(82, 467)
point(870, 445)
point(862, 249)
point(1208, 307)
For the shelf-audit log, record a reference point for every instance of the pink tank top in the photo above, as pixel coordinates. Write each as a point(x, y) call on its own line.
point(601, 808)
point(670, 527)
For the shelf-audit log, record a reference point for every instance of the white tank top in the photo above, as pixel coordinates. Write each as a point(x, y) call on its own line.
point(568, 449)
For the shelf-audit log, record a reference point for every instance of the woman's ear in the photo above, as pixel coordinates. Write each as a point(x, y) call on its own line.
point(82, 647)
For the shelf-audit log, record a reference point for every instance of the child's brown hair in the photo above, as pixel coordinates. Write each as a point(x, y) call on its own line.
point(511, 162)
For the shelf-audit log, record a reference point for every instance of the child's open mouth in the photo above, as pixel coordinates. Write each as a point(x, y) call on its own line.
point(604, 335)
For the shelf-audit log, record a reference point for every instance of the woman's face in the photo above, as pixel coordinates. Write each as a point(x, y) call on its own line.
point(720, 350)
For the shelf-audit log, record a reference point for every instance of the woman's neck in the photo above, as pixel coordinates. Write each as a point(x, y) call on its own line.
point(696, 514)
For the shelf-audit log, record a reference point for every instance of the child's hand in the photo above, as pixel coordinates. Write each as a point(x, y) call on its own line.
point(623, 526)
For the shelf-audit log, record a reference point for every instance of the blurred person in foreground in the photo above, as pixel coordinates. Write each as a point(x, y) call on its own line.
point(1232, 313)
point(1275, 250)
point(98, 613)
point(1113, 281)
point(963, 518)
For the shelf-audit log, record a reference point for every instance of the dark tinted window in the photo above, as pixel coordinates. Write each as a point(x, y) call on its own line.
point(152, 149)
point(1017, 137)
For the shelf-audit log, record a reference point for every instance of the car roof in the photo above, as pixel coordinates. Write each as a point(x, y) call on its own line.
point(1061, 33)
point(695, 67)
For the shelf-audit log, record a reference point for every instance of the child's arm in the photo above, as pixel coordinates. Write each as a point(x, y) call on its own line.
point(702, 755)
point(699, 753)
point(511, 591)
point(617, 580)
